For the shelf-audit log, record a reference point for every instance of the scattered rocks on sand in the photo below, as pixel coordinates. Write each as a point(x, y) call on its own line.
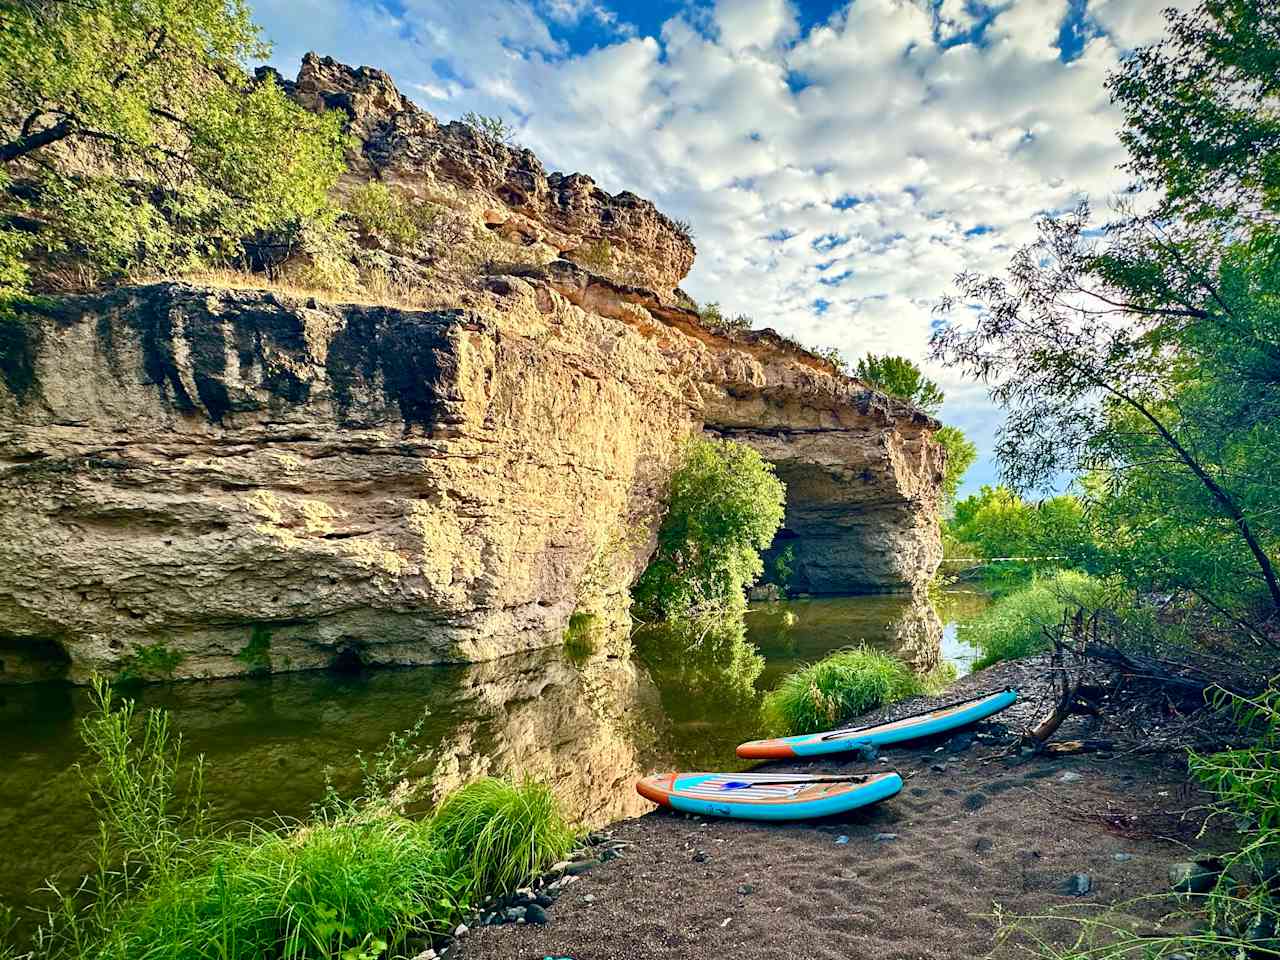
point(746, 888)
point(1078, 885)
point(842, 839)
point(868, 753)
point(589, 898)
point(1191, 877)
point(1070, 776)
point(983, 844)
point(701, 856)
point(1122, 857)
point(885, 837)
point(535, 914)
point(960, 742)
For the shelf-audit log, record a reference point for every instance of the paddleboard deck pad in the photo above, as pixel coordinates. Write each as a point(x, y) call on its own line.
point(767, 796)
point(931, 723)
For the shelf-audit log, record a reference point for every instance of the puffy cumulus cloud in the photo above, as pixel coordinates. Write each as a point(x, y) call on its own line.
point(754, 23)
point(1133, 23)
point(837, 175)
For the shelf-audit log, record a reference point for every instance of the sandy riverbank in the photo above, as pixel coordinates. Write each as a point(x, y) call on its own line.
point(919, 876)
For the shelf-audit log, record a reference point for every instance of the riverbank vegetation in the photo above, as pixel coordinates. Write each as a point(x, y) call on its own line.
point(356, 880)
point(843, 685)
point(1142, 357)
point(1016, 624)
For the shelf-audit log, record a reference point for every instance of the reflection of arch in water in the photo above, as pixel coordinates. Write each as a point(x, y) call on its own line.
point(906, 625)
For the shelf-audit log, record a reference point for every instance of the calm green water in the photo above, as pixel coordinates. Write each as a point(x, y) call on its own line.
point(589, 727)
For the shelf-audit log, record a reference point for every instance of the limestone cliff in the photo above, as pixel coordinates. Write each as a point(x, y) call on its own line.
point(198, 481)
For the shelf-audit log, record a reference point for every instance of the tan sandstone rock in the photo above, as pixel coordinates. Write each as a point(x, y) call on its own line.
point(198, 481)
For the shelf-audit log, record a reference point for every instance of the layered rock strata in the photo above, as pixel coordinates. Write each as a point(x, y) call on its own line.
point(198, 481)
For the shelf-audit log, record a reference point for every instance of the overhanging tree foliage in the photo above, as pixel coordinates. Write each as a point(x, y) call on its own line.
point(134, 138)
point(1150, 358)
point(725, 505)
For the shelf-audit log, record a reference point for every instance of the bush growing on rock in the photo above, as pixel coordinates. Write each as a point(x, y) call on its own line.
point(724, 507)
point(140, 143)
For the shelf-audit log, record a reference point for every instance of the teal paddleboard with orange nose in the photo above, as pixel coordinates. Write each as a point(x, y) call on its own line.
point(767, 796)
point(930, 723)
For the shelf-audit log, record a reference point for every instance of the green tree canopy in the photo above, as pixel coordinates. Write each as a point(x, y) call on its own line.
point(900, 377)
point(140, 142)
point(725, 505)
point(1150, 359)
point(961, 453)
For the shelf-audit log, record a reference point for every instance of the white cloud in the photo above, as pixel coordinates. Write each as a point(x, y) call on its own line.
point(1134, 23)
point(861, 163)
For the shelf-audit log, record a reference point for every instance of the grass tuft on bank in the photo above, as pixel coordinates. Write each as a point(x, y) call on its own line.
point(357, 880)
point(1014, 626)
point(845, 684)
point(501, 836)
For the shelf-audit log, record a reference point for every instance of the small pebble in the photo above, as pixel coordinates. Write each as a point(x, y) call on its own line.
point(842, 838)
point(515, 913)
point(725, 922)
point(1070, 776)
point(885, 837)
point(1078, 885)
point(701, 856)
point(746, 888)
point(460, 930)
point(1122, 857)
point(589, 898)
point(535, 914)
point(939, 768)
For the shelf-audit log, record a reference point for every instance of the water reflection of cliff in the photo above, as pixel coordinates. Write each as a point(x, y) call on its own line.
point(804, 630)
point(586, 728)
point(587, 724)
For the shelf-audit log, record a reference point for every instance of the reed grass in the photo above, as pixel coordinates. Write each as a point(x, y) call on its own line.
point(843, 685)
point(354, 881)
point(501, 835)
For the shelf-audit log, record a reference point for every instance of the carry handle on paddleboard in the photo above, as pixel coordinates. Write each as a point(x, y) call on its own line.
point(834, 734)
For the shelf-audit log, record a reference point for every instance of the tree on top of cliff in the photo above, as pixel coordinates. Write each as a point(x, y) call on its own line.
point(899, 377)
point(134, 139)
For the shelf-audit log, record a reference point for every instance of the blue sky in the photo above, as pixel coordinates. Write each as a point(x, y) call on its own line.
point(840, 162)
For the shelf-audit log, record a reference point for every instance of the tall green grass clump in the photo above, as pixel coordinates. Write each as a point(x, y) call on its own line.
point(843, 685)
point(500, 835)
point(351, 887)
point(1014, 626)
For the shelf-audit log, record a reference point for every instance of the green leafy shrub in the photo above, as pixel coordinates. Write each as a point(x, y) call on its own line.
point(492, 126)
point(148, 145)
point(900, 377)
point(499, 835)
point(1014, 626)
point(390, 215)
point(714, 318)
point(836, 688)
point(725, 505)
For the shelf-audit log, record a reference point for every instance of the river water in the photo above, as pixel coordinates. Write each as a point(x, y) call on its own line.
point(588, 724)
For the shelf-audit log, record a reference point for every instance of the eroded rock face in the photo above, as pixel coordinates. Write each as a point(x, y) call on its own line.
point(205, 482)
point(208, 482)
point(515, 195)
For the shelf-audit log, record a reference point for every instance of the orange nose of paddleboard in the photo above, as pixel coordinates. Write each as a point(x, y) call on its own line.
point(765, 750)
